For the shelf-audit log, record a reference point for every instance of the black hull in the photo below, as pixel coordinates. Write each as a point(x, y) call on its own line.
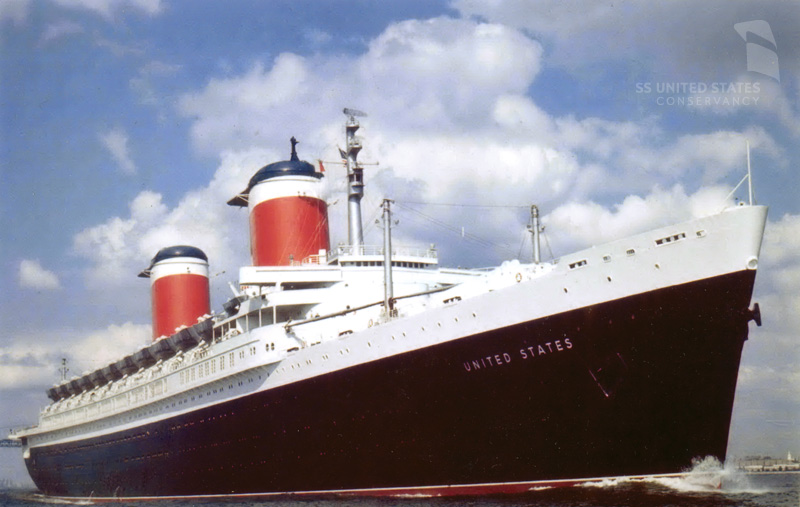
point(636, 386)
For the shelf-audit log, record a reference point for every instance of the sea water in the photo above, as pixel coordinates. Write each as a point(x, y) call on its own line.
point(706, 484)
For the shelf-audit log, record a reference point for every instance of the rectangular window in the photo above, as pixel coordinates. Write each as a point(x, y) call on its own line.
point(670, 239)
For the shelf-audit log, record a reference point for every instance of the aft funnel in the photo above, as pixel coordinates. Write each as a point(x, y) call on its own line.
point(288, 218)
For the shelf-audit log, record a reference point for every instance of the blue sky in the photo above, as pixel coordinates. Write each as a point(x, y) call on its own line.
point(125, 125)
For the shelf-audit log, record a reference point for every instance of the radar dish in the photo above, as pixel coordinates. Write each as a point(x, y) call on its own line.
point(354, 112)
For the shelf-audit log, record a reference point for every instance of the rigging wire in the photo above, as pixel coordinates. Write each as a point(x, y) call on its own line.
point(456, 205)
point(547, 242)
point(448, 227)
point(456, 230)
point(369, 224)
point(521, 244)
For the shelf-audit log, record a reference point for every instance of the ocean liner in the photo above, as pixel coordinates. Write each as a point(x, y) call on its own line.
point(370, 370)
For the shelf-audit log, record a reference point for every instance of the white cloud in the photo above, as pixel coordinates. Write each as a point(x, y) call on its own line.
point(29, 362)
point(15, 11)
point(449, 121)
point(581, 224)
point(638, 152)
point(780, 267)
point(122, 246)
point(423, 75)
point(108, 8)
point(684, 39)
point(116, 142)
point(317, 37)
point(118, 49)
point(60, 29)
point(768, 394)
point(99, 348)
point(15, 376)
point(782, 239)
point(686, 45)
point(143, 83)
point(26, 362)
point(448, 112)
point(33, 276)
point(448, 109)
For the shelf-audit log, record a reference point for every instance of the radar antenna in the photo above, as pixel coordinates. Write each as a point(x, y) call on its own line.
point(354, 112)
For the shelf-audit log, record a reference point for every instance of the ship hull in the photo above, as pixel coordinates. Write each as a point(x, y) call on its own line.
point(636, 386)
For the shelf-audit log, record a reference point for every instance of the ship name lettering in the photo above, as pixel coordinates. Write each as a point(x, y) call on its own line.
point(488, 361)
point(504, 358)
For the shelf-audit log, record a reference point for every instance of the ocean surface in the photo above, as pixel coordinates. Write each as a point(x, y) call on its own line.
point(707, 484)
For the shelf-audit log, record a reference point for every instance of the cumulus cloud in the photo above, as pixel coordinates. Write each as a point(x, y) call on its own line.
point(639, 152)
point(780, 266)
point(768, 394)
point(30, 362)
point(585, 38)
point(581, 224)
point(98, 348)
point(426, 75)
point(449, 122)
point(447, 99)
point(588, 32)
point(116, 142)
point(33, 276)
point(122, 246)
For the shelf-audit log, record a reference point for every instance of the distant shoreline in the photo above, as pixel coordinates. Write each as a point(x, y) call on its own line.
point(765, 472)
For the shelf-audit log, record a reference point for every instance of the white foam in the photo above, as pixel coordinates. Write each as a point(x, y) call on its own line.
point(605, 483)
point(708, 475)
point(39, 498)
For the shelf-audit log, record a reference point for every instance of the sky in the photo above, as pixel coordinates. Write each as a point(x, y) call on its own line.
point(126, 125)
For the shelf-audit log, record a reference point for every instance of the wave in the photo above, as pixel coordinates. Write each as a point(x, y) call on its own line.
point(706, 475)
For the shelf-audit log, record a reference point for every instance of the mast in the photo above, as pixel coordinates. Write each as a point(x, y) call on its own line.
point(534, 228)
point(355, 180)
point(388, 296)
point(63, 370)
point(749, 174)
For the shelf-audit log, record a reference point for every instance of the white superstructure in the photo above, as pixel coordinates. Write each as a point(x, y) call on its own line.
point(296, 322)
